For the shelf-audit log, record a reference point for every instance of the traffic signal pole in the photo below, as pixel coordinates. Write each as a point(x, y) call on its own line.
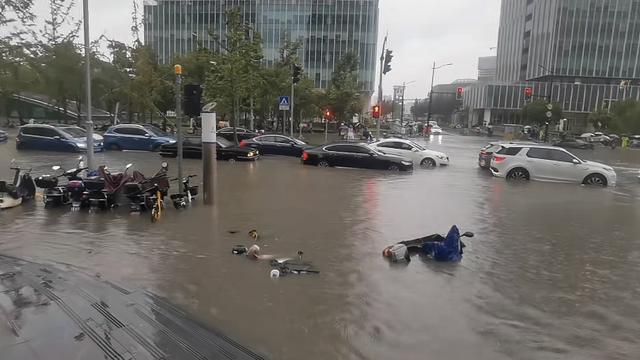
point(384, 45)
point(292, 102)
point(87, 56)
point(178, 71)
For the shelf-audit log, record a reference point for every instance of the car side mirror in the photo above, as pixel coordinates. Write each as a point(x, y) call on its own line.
point(373, 154)
point(576, 161)
point(468, 234)
point(415, 150)
point(147, 135)
point(55, 168)
point(57, 137)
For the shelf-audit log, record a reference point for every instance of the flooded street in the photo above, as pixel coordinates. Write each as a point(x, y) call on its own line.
point(551, 272)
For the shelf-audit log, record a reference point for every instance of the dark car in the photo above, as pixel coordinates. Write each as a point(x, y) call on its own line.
point(47, 137)
point(243, 134)
point(574, 144)
point(356, 156)
point(225, 150)
point(136, 137)
point(3, 136)
point(276, 145)
point(484, 158)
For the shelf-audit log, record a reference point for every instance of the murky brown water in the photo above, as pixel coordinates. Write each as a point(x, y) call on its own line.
point(551, 273)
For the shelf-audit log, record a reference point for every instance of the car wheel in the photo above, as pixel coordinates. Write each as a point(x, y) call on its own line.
point(231, 159)
point(518, 174)
point(595, 180)
point(428, 163)
point(394, 167)
point(323, 163)
point(115, 147)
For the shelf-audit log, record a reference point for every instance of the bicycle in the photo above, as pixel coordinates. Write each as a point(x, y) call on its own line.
point(158, 205)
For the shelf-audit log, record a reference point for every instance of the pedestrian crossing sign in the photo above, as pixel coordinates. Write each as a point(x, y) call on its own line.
point(284, 103)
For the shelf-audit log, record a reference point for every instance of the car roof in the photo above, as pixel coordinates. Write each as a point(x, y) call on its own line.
point(531, 145)
point(38, 125)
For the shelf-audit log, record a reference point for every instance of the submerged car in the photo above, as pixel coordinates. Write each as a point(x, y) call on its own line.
point(574, 144)
point(540, 162)
point(242, 133)
point(225, 150)
point(276, 145)
point(420, 155)
point(3, 136)
point(136, 137)
point(356, 156)
point(48, 137)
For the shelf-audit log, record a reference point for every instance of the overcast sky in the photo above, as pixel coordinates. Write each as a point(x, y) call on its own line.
point(420, 32)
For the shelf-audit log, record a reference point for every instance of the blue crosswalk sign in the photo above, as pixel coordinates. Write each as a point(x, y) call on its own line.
point(284, 103)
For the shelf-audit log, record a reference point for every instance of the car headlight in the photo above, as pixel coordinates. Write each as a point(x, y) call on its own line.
point(251, 153)
point(441, 157)
point(81, 145)
point(407, 163)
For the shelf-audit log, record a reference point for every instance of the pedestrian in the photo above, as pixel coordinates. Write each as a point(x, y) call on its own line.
point(367, 135)
point(350, 134)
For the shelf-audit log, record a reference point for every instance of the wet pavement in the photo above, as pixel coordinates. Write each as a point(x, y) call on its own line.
point(551, 272)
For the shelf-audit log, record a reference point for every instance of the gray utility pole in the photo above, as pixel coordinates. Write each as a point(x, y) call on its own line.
point(178, 71)
point(291, 103)
point(433, 74)
point(384, 45)
point(404, 87)
point(87, 65)
point(208, 153)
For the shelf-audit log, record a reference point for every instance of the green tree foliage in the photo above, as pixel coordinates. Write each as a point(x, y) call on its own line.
point(344, 94)
point(601, 119)
point(626, 116)
point(535, 112)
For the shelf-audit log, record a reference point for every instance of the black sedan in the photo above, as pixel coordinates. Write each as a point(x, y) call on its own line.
point(574, 144)
point(243, 134)
point(276, 145)
point(225, 150)
point(3, 136)
point(356, 156)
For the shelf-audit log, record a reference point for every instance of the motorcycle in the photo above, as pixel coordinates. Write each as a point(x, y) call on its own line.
point(21, 189)
point(102, 187)
point(181, 200)
point(142, 192)
point(55, 195)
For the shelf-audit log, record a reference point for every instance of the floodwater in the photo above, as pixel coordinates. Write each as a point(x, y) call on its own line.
point(551, 273)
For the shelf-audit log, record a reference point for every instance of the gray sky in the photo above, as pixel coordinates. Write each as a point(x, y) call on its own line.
point(420, 32)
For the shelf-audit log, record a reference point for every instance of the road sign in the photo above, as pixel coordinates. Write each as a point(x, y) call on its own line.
point(549, 114)
point(549, 106)
point(284, 103)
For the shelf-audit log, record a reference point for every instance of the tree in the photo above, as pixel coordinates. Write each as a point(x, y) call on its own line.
point(626, 116)
point(344, 93)
point(601, 119)
point(535, 112)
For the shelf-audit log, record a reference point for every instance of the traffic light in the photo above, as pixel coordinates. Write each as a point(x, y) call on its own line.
point(327, 114)
point(459, 92)
point(528, 93)
point(192, 100)
point(376, 111)
point(297, 73)
point(388, 56)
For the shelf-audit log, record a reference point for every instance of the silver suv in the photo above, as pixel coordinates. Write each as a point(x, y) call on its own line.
point(548, 163)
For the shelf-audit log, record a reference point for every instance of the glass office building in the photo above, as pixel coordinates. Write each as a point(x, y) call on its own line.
point(595, 41)
point(327, 29)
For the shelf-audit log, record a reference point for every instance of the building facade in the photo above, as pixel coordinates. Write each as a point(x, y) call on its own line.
point(582, 54)
point(326, 30)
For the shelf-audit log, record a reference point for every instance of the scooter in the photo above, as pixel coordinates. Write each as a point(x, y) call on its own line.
point(102, 189)
point(181, 200)
point(55, 195)
point(142, 192)
point(22, 189)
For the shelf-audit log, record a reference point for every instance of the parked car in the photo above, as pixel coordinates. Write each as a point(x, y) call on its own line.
point(48, 137)
point(436, 130)
point(3, 136)
point(540, 162)
point(136, 137)
point(225, 150)
point(574, 144)
point(79, 132)
point(276, 145)
point(243, 134)
point(420, 155)
point(354, 155)
point(486, 153)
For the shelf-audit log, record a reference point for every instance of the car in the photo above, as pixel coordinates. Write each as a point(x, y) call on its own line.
point(542, 162)
point(79, 132)
point(136, 137)
point(355, 155)
point(48, 137)
point(243, 134)
point(574, 144)
point(276, 145)
point(420, 155)
point(3, 136)
point(225, 150)
point(436, 130)
point(484, 158)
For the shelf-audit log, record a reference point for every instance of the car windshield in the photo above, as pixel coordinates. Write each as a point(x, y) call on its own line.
point(224, 142)
point(74, 132)
point(415, 144)
point(156, 131)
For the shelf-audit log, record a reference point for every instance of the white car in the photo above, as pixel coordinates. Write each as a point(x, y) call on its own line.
point(420, 155)
point(436, 130)
point(541, 162)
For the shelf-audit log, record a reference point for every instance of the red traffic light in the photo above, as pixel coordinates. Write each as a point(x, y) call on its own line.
point(459, 92)
point(376, 111)
point(327, 114)
point(528, 92)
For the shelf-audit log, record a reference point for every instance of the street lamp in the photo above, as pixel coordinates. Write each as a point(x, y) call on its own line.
point(87, 56)
point(404, 86)
point(433, 74)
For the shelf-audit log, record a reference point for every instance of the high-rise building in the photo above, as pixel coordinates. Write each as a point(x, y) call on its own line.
point(569, 39)
point(326, 30)
point(583, 55)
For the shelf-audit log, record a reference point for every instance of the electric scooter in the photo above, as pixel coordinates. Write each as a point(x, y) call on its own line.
point(20, 190)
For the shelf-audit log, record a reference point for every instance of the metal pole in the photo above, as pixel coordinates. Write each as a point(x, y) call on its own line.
point(404, 85)
point(384, 45)
point(87, 60)
point(179, 124)
point(208, 156)
point(433, 74)
point(251, 124)
point(326, 130)
point(291, 110)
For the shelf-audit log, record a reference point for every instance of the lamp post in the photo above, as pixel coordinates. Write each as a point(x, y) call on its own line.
point(404, 86)
point(433, 74)
point(87, 61)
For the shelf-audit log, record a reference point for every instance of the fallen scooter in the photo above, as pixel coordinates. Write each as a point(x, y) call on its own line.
point(142, 192)
point(181, 200)
point(439, 248)
point(55, 195)
point(102, 189)
point(20, 190)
